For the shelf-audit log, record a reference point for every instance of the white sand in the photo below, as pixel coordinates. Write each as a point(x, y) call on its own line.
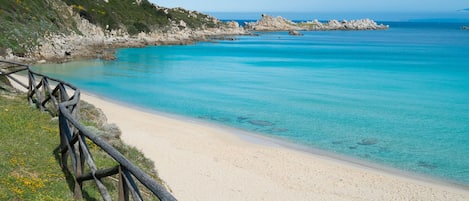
point(202, 162)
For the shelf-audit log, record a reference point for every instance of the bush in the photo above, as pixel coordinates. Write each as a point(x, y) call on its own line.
point(23, 22)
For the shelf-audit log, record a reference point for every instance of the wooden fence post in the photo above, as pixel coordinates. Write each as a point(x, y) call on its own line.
point(123, 188)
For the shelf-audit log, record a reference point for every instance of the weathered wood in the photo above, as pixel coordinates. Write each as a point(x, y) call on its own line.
point(13, 71)
point(80, 163)
point(76, 108)
point(72, 141)
point(63, 143)
point(50, 96)
point(133, 188)
point(65, 132)
point(43, 84)
point(12, 63)
point(17, 81)
point(86, 155)
point(66, 135)
point(144, 178)
point(35, 91)
point(30, 87)
point(63, 93)
point(101, 173)
point(123, 187)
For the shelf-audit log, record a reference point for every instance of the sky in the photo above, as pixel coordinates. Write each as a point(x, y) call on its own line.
point(316, 5)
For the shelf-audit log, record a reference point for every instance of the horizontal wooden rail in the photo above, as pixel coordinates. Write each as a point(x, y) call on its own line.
point(8, 68)
point(63, 99)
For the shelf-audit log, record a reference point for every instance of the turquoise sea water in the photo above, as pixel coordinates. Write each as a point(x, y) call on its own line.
point(398, 97)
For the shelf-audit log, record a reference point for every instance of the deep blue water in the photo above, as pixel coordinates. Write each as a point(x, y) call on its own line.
point(398, 97)
point(448, 16)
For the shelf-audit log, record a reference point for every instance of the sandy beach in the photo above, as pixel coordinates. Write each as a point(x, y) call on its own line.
point(203, 162)
point(200, 161)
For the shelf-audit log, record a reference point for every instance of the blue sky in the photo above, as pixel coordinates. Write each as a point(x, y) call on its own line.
point(316, 5)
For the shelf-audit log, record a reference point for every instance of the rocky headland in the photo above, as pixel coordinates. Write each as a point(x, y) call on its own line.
point(64, 30)
point(95, 42)
point(270, 23)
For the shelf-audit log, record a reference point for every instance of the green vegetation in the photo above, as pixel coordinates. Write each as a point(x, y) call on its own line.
point(23, 22)
point(29, 169)
point(29, 155)
point(117, 14)
point(135, 17)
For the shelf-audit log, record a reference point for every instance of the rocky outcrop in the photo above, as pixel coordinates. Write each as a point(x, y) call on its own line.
point(95, 42)
point(361, 24)
point(89, 39)
point(65, 47)
point(294, 33)
point(270, 23)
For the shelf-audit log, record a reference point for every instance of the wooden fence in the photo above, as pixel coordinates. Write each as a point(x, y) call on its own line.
point(63, 99)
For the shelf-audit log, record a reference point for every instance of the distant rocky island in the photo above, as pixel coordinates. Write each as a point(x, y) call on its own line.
point(62, 30)
point(270, 23)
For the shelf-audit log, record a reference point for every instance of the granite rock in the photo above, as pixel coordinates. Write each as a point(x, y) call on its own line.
point(270, 23)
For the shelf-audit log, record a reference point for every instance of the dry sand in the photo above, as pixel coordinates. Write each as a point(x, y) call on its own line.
point(205, 162)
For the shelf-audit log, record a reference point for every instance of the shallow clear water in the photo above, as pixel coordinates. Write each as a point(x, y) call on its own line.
point(398, 97)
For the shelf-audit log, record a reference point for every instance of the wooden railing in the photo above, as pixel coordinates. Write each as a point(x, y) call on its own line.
point(63, 99)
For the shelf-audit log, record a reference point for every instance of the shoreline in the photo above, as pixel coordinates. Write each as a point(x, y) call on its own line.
point(92, 41)
point(251, 140)
point(204, 161)
point(258, 138)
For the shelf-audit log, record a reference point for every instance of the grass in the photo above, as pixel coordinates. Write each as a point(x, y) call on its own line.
point(28, 166)
point(29, 156)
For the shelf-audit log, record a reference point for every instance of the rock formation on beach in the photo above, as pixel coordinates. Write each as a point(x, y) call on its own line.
point(270, 23)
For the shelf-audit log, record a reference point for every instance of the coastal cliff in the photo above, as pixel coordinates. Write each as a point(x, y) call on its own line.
point(60, 30)
point(270, 23)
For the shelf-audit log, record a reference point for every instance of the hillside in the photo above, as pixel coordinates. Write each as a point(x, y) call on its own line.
point(36, 29)
point(22, 23)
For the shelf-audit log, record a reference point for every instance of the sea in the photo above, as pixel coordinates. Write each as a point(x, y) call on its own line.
point(397, 97)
